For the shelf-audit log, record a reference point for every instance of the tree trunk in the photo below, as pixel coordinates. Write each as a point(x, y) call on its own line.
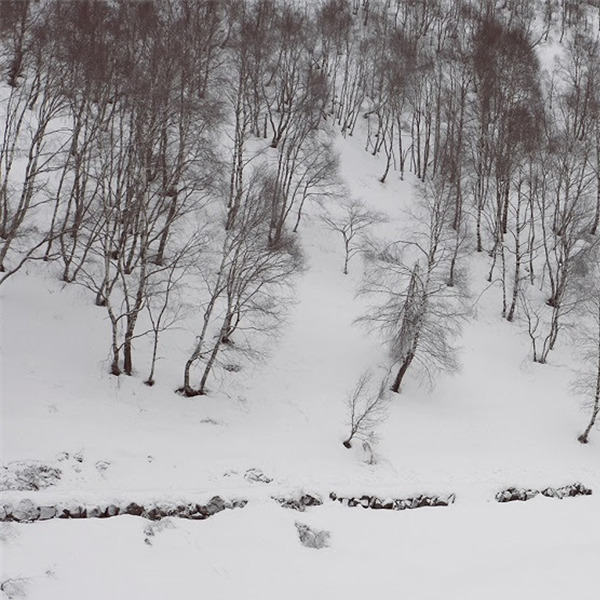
point(401, 372)
point(583, 438)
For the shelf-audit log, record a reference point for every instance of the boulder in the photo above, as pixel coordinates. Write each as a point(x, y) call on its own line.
point(47, 512)
point(388, 504)
point(375, 503)
point(77, 512)
point(216, 504)
point(310, 500)
point(25, 511)
point(94, 512)
point(3, 513)
point(112, 510)
point(134, 509)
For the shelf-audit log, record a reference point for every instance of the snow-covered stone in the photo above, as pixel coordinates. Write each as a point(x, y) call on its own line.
point(257, 476)
point(25, 511)
point(134, 509)
point(47, 512)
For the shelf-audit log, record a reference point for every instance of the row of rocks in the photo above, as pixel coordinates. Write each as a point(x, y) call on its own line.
point(395, 503)
point(512, 494)
point(25, 511)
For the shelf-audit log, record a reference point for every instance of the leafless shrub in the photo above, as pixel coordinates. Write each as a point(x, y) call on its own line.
point(312, 538)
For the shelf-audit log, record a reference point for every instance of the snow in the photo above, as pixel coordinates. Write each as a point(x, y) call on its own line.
point(501, 421)
point(540, 549)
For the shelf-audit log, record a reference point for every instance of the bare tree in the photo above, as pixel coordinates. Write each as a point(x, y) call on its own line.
point(249, 292)
point(31, 149)
point(416, 312)
point(587, 338)
point(352, 220)
point(367, 408)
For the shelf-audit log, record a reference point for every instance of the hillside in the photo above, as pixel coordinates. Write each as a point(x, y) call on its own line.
point(269, 427)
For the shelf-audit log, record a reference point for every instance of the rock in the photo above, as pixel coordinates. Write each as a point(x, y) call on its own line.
point(365, 501)
point(239, 503)
point(3, 513)
point(154, 513)
point(290, 503)
point(112, 510)
point(94, 512)
point(181, 511)
point(134, 509)
point(375, 503)
point(310, 500)
point(77, 512)
point(388, 504)
point(47, 512)
point(399, 504)
point(215, 505)
point(25, 511)
point(62, 512)
point(584, 491)
point(256, 476)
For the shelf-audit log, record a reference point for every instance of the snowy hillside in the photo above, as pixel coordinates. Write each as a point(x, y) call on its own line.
point(501, 421)
point(270, 427)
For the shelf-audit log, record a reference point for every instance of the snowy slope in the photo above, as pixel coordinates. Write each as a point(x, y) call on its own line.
point(501, 421)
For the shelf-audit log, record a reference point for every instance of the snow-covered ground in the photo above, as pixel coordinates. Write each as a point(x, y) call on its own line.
point(501, 421)
point(538, 549)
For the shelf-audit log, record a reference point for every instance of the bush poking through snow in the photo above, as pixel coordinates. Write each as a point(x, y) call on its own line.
point(29, 476)
point(312, 538)
point(14, 588)
point(151, 529)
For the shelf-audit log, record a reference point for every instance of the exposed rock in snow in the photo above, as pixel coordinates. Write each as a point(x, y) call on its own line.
point(47, 512)
point(300, 504)
point(25, 511)
point(512, 494)
point(257, 476)
point(395, 504)
point(134, 509)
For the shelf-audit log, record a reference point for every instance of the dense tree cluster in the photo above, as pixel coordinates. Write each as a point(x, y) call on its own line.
point(150, 143)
